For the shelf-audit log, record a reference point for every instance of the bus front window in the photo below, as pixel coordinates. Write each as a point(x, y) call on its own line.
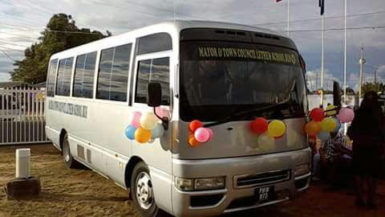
point(215, 84)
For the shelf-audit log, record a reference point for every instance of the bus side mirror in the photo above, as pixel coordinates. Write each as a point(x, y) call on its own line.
point(336, 94)
point(154, 94)
point(154, 99)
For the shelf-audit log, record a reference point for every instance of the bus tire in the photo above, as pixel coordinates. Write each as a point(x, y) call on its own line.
point(69, 161)
point(142, 193)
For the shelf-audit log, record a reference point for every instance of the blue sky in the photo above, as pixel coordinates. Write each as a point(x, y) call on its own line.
point(22, 20)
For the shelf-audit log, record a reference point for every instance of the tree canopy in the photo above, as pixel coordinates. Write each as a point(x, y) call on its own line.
point(61, 33)
point(371, 86)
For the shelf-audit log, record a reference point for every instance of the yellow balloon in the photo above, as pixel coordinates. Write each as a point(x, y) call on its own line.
point(276, 129)
point(331, 110)
point(265, 143)
point(142, 135)
point(148, 121)
point(328, 124)
point(39, 96)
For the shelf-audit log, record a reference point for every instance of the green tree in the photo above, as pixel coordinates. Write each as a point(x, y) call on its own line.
point(370, 86)
point(349, 91)
point(61, 33)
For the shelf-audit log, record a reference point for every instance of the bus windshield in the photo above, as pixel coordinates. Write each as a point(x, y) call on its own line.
point(219, 79)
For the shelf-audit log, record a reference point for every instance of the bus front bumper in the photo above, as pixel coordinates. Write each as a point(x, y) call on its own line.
point(237, 196)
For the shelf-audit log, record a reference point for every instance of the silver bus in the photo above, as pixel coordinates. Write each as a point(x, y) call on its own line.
point(221, 75)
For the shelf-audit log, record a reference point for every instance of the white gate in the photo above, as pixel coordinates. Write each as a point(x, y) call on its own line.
point(22, 116)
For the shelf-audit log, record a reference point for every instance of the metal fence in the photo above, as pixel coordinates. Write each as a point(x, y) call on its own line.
point(22, 115)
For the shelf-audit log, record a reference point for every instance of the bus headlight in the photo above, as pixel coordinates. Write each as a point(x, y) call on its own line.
point(301, 169)
point(209, 183)
point(185, 184)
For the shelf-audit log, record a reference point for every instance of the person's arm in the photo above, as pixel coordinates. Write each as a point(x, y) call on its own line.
point(339, 147)
point(345, 150)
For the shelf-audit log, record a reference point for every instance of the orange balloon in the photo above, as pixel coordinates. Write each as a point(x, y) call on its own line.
point(142, 135)
point(192, 141)
point(312, 128)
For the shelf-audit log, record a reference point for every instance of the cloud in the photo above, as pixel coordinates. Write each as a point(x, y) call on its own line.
point(314, 79)
point(6, 64)
point(5, 77)
point(23, 20)
point(381, 69)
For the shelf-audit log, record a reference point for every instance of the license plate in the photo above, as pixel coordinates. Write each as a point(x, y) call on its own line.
point(264, 194)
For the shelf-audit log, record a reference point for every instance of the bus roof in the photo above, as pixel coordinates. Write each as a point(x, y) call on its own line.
point(175, 26)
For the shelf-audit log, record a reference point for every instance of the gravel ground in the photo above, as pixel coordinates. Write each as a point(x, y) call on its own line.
point(85, 193)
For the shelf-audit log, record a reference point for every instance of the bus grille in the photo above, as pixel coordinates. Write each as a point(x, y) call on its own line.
point(245, 181)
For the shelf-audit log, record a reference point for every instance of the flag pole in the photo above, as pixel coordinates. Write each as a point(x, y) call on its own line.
point(345, 48)
point(288, 18)
point(322, 59)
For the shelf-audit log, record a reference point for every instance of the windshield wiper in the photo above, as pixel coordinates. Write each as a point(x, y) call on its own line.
point(246, 112)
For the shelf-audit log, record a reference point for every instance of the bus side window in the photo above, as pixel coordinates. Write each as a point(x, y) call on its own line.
point(84, 75)
point(113, 73)
point(51, 77)
point(78, 75)
point(154, 43)
point(60, 72)
point(64, 77)
point(153, 70)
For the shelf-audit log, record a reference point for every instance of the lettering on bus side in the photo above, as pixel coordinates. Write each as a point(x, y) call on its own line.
point(68, 108)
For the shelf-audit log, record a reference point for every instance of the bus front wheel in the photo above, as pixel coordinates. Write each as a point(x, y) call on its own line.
point(142, 192)
point(69, 161)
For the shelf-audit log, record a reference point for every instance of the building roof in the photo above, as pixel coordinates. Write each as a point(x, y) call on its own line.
point(12, 84)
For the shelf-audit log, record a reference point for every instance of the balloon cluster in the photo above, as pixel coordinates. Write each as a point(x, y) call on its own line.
point(144, 127)
point(323, 123)
point(199, 134)
point(275, 129)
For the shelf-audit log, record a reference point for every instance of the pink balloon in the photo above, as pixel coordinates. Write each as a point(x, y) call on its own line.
point(346, 115)
point(136, 119)
point(202, 134)
point(211, 133)
point(162, 112)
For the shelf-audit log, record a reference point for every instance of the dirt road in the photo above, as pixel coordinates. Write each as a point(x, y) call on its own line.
point(84, 193)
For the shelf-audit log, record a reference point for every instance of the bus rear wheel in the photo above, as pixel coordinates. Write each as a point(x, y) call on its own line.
point(142, 192)
point(69, 161)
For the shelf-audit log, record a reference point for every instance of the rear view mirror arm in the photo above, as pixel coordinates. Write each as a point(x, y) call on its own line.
point(164, 120)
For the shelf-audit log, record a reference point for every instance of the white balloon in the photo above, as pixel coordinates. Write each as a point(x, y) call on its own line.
point(148, 121)
point(157, 132)
point(266, 143)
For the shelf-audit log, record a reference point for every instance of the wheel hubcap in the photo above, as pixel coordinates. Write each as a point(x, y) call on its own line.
point(66, 153)
point(67, 157)
point(144, 193)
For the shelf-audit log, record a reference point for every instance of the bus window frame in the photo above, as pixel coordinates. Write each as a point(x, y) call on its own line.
point(130, 68)
point(95, 71)
point(162, 54)
point(71, 76)
point(54, 75)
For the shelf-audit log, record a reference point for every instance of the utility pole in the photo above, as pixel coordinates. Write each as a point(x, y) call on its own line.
point(375, 80)
point(322, 60)
point(361, 62)
point(345, 48)
point(288, 18)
